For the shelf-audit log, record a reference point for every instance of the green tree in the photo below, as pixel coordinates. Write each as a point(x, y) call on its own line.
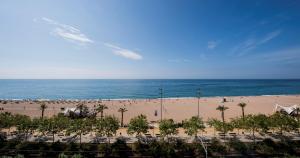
point(122, 110)
point(220, 126)
point(6, 120)
point(43, 107)
point(251, 123)
point(237, 123)
point(79, 126)
point(110, 125)
point(167, 127)
point(243, 105)
point(283, 122)
point(100, 109)
point(138, 125)
point(23, 124)
point(54, 125)
point(42, 124)
point(99, 127)
point(193, 125)
point(222, 109)
point(59, 124)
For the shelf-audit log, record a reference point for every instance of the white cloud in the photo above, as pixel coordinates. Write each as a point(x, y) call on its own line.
point(212, 44)
point(71, 36)
point(252, 43)
point(129, 54)
point(67, 32)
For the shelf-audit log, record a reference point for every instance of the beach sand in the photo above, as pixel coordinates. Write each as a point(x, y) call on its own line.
point(175, 108)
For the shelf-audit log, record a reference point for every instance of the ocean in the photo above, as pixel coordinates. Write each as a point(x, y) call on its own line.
point(142, 88)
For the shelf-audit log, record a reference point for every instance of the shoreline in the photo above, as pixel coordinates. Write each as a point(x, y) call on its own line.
point(137, 99)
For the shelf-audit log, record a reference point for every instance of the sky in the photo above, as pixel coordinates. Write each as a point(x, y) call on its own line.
point(149, 39)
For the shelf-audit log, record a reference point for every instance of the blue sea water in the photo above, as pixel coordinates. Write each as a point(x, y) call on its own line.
point(121, 89)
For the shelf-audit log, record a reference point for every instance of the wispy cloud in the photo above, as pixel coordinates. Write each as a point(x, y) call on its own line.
point(212, 44)
point(287, 55)
point(67, 32)
point(129, 54)
point(270, 36)
point(252, 43)
point(179, 60)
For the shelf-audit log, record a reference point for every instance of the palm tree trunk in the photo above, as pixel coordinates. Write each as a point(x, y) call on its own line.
point(42, 113)
point(243, 112)
point(223, 118)
point(101, 114)
point(121, 119)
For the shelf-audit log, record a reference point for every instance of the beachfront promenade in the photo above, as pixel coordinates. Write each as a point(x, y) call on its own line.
point(243, 121)
point(177, 109)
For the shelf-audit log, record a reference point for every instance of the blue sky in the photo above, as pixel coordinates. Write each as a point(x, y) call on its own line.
point(150, 39)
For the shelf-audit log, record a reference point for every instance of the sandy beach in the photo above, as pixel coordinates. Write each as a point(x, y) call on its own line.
point(175, 108)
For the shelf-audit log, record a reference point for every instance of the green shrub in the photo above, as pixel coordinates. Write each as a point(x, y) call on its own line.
point(62, 155)
point(105, 149)
point(73, 147)
point(6, 157)
point(19, 156)
point(238, 146)
point(140, 148)
point(58, 146)
point(198, 149)
point(91, 149)
point(162, 149)
point(76, 156)
point(120, 149)
point(217, 147)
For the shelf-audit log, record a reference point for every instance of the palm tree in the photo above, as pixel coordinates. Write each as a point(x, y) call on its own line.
point(122, 110)
point(100, 108)
point(242, 105)
point(222, 108)
point(43, 107)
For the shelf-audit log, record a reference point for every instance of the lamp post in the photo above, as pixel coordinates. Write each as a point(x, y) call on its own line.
point(161, 97)
point(198, 96)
